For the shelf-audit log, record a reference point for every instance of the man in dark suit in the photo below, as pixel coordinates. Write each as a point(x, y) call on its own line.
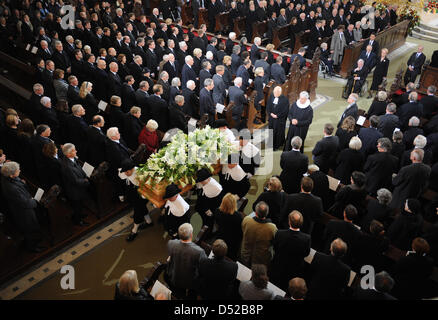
point(141, 96)
point(216, 275)
point(158, 108)
point(242, 72)
point(177, 117)
point(205, 72)
point(369, 58)
point(152, 60)
point(21, 205)
point(255, 51)
point(237, 96)
point(114, 81)
point(45, 52)
point(128, 94)
point(372, 42)
point(136, 69)
point(293, 164)
point(415, 63)
point(188, 73)
point(357, 77)
point(49, 117)
point(409, 110)
point(96, 141)
point(100, 86)
point(430, 103)
point(291, 246)
point(277, 110)
point(351, 110)
point(306, 203)
point(206, 104)
point(411, 180)
point(277, 71)
point(191, 100)
point(379, 167)
point(77, 129)
point(383, 284)
point(73, 90)
point(300, 56)
point(389, 121)
point(369, 137)
point(60, 58)
point(171, 67)
point(236, 60)
point(325, 151)
point(331, 276)
point(76, 183)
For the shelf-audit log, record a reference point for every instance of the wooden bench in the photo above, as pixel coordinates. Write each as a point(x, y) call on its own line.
point(280, 36)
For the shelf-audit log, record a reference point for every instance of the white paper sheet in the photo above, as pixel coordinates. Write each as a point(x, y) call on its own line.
point(192, 122)
point(102, 105)
point(249, 81)
point(361, 120)
point(219, 107)
point(88, 169)
point(277, 290)
point(159, 287)
point(243, 273)
point(310, 257)
point(352, 276)
point(34, 50)
point(333, 183)
point(38, 194)
point(28, 47)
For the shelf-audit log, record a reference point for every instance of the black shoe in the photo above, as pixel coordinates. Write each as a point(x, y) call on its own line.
point(131, 236)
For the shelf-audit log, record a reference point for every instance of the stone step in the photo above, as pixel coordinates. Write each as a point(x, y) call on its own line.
point(427, 32)
point(430, 26)
point(417, 35)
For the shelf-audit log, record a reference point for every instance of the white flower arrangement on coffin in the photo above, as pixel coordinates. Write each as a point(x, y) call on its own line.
point(179, 161)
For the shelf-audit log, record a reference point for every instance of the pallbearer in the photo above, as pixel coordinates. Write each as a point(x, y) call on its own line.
point(233, 178)
point(128, 173)
point(176, 210)
point(210, 193)
point(249, 155)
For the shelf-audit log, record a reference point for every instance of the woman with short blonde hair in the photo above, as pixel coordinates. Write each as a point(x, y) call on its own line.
point(229, 204)
point(128, 288)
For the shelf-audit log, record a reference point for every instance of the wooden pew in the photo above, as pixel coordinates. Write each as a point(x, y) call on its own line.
point(239, 26)
point(187, 14)
point(390, 38)
point(259, 29)
point(222, 22)
point(429, 77)
point(280, 36)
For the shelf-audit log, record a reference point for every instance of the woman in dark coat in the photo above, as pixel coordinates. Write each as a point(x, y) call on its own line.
point(349, 160)
point(229, 222)
point(378, 107)
point(274, 197)
point(26, 130)
point(123, 67)
point(300, 117)
point(381, 70)
point(378, 209)
point(52, 166)
point(345, 132)
point(258, 87)
point(228, 73)
point(88, 101)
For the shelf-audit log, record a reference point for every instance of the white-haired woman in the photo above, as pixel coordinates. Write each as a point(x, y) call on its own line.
point(349, 160)
point(128, 288)
point(300, 117)
point(148, 136)
point(380, 72)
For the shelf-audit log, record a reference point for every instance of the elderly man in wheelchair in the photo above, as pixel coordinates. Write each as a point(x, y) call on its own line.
point(356, 80)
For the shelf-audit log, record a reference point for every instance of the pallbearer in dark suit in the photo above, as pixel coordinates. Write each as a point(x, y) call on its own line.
point(177, 209)
point(210, 194)
point(380, 71)
point(128, 173)
point(415, 63)
point(76, 183)
point(277, 109)
point(300, 117)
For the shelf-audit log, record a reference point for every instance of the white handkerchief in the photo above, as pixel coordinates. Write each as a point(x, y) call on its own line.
point(310, 257)
point(38, 194)
point(159, 287)
point(34, 50)
point(361, 120)
point(102, 105)
point(396, 129)
point(243, 273)
point(192, 122)
point(88, 169)
point(219, 107)
point(333, 183)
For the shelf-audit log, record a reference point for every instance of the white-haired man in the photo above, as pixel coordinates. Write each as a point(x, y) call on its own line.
point(237, 96)
point(357, 78)
point(191, 100)
point(187, 72)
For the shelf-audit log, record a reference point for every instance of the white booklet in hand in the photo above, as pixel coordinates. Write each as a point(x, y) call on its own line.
point(361, 120)
point(160, 288)
point(219, 107)
point(277, 291)
point(102, 105)
point(38, 194)
point(192, 122)
point(243, 273)
point(310, 257)
point(88, 169)
point(34, 50)
point(28, 47)
point(333, 183)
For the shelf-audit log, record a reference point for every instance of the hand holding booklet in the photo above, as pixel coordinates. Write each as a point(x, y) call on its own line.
point(361, 120)
point(102, 105)
point(88, 169)
point(219, 108)
point(38, 194)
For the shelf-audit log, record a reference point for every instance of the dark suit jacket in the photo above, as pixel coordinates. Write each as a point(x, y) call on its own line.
point(133, 127)
point(128, 97)
point(387, 124)
point(408, 110)
point(351, 111)
point(294, 165)
point(75, 180)
point(416, 63)
point(77, 128)
point(159, 111)
point(116, 153)
point(61, 60)
point(369, 137)
point(290, 247)
point(96, 140)
point(216, 277)
point(379, 168)
point(206, 104)
point(172, 71)
point(191, 103)
point(187, 74)
point(375, 46)
point(277, 73)
point(325, 152)
point(430, 105)
point(115, 84)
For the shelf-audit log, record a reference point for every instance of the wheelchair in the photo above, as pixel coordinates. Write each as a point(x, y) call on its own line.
point(324, 69)
point(362, 92)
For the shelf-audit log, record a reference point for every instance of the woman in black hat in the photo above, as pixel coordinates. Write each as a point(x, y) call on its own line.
point(128, 173)
point(176, 210)
point(210, 194)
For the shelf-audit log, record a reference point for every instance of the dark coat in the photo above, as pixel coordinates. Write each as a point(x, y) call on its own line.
point(191, 103)
point(387, 124)
point(379, 168)
point(96, 141)
point(369, 137)
point(351, 111)
point(293, 164)
point(159, 111)
point(279, 124)
point(408, 110)
point(75, 180)
point(206, 104)
point(325, 153)
point(216, 278)
point(133, 127)
point(229, 230)
point(430, 105)
point(377, 108)
point(187, 74)
point(348, 232)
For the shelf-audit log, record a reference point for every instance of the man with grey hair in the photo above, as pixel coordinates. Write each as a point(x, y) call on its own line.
point(61, 58)
point(351, 110)
point(410, 109)
point(171, 66)
point(255, 54)
point(389, 121)
point(411, 181)
point(419, 142)
point(76, 128)
point(293, 164)
point(430, 103)
point(219, 89)
point(412, 131)
point(183, 263)
point(206, 104)
point(175, 88)
point(380, 166)
point(76, 183)
point(236, 61)
point(357, 77)
point(238, 97)
point(383, 284)
point(177, 117)
point(48, 116)
point(187, 72)
point(191, 100)
point(21, 205)
point(205, 73)
point(415, 63)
